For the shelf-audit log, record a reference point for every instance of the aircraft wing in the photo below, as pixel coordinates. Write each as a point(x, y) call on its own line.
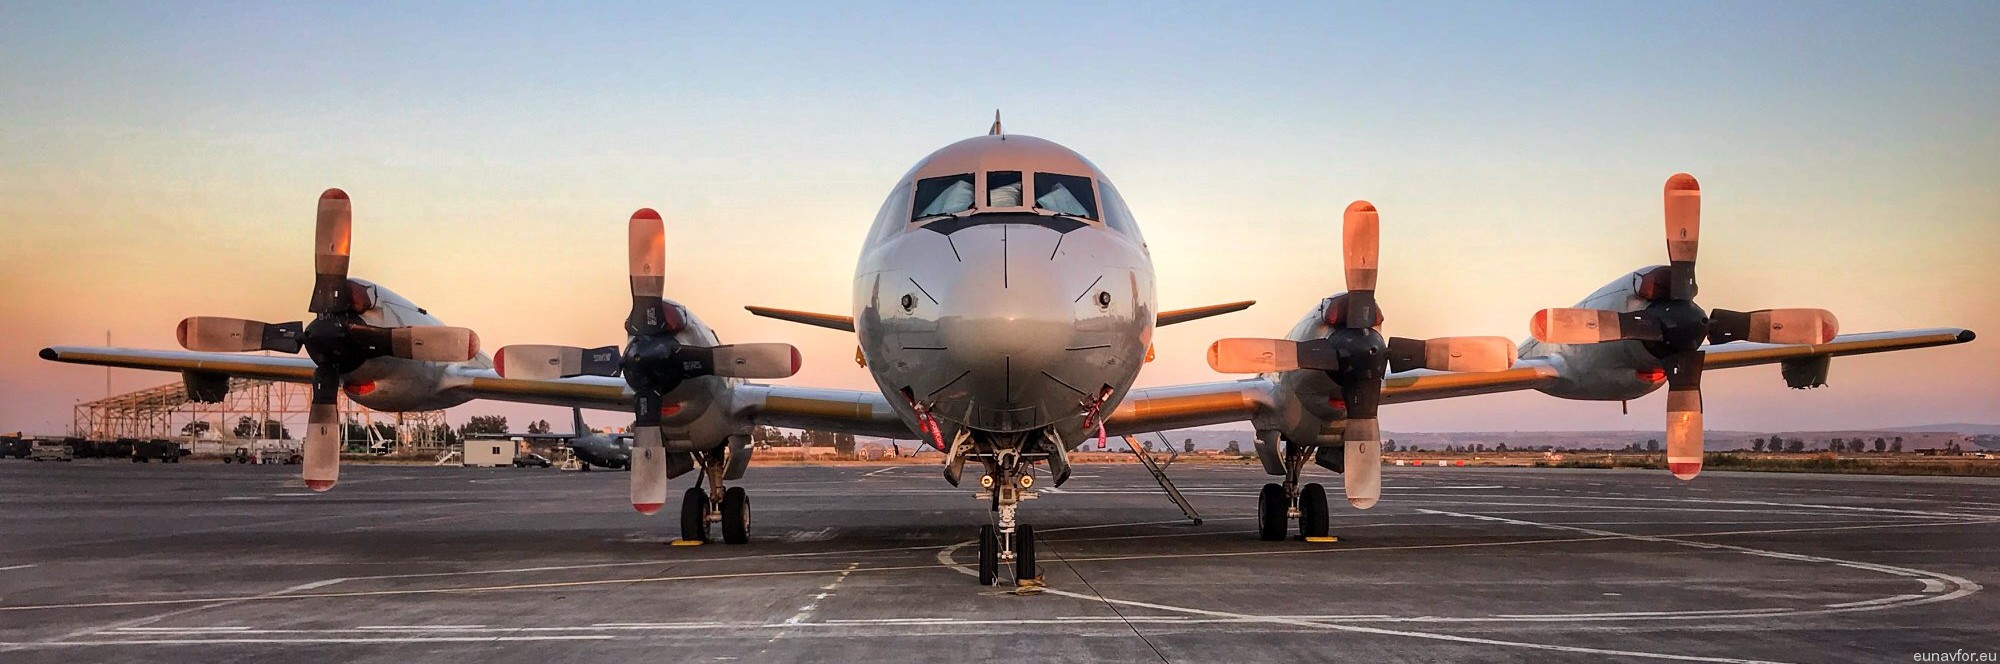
point(1201, 404)
point(284, 368)
point(868, 413)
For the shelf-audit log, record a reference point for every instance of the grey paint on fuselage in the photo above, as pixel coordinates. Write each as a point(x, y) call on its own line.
point(1007, 320)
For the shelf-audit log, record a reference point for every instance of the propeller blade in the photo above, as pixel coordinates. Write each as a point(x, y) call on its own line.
point(1360, 245)
point(538, 362)
point(1361, 462)
point(323, 431)
point(235, 335)
point(649, 469)
point(1463, 354)
point(1683, 213)
point(647, 248)
point(332, 239)
point(1684, 431)
point(433, 343)
point(1773, 326)
point(1589, 326)
point(769, 360)
point(1253, 356)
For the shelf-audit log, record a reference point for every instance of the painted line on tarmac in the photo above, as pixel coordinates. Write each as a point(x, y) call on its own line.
point(461, 589)
point(391, 639)
point(1960, 586)
point(945, 557)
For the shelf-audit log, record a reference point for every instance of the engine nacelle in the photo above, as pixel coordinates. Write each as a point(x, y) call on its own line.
point(1612, 371)
point(394, 384)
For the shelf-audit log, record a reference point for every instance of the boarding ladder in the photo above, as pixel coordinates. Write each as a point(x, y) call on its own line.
point(1160, 474)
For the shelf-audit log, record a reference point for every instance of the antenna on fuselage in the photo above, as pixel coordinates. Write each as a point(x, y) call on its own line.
point(995, 131)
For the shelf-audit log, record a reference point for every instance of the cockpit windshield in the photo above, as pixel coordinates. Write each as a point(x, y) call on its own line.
point(942, 195)
point(1065, 194)
point(1003, 189)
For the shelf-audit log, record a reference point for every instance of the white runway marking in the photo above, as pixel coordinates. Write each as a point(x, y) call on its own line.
point(3, 569)
point(945, 557)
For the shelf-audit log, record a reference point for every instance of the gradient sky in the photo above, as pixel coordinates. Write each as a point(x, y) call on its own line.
point(160, 160)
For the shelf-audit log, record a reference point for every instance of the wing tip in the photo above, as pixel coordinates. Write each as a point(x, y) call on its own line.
point(49, 354)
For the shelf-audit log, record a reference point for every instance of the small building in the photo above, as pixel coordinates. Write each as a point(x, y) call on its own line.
point(487, 452)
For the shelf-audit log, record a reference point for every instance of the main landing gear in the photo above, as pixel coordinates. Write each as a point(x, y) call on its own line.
point(1278, 504)
point(1007, 483)
point(715, 504)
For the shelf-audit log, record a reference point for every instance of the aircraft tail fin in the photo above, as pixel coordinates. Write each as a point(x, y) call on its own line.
point(577, 427)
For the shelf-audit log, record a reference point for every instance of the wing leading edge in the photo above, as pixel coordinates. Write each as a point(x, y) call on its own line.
point(1202, 404)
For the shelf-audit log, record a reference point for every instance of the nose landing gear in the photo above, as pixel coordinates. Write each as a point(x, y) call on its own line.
point(1006, 484)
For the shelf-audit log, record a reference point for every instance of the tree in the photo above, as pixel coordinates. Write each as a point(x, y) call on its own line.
point(1757, 445)
point(195, 429)
point(1146, 445)
point(843, 443)
point(1795, 445)
point(539, 426)
point(247, 428)
point(1233, 448)
point(1896, 445)
point(1188, 445)
point(1652, 445)
point(483, 424)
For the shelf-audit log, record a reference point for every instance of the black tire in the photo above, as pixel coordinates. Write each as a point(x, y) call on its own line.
point(585, 468)
point(1024, 554)
point(228, 460)
point(989, 555)
point(735, 516)
point(1312, 511)
point(1271, 513)
point(694, 515)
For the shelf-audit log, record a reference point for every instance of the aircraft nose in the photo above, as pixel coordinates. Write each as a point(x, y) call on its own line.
point(1007, 320)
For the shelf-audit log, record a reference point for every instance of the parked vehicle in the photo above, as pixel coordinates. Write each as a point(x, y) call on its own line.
point(241, 455)
point(166, 451)
point(526, 460)
point(51, 452)
point(18, 448)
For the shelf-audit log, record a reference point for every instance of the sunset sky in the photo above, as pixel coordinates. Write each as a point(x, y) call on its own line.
point(158, 162)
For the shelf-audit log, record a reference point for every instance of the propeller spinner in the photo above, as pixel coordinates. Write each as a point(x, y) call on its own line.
point(1674, 328)
point(337, 339)
point(1355, 355)
point(654, 361)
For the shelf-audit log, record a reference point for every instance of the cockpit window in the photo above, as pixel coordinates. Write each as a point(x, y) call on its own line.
point(1003, 189)
point(942, 195)
point(1065, 194)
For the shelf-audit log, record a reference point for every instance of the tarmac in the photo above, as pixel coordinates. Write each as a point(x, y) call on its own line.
point(201, 561)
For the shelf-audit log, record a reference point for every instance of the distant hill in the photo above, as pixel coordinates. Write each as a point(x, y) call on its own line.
point(1935, 436)
point(1956, 427)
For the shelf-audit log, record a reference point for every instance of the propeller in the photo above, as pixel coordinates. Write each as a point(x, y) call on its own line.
point(1673, 328)
point(1356, 357)
point(336, 339)
point(653, 362)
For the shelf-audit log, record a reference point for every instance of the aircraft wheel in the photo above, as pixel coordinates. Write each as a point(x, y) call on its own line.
point(736, 516)
point(1312, 511)
point(1024, 554)
point(1271, 513)
point(989, 555)
point(694, 515)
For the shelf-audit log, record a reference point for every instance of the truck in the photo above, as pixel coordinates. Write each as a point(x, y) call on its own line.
point(166, 451)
